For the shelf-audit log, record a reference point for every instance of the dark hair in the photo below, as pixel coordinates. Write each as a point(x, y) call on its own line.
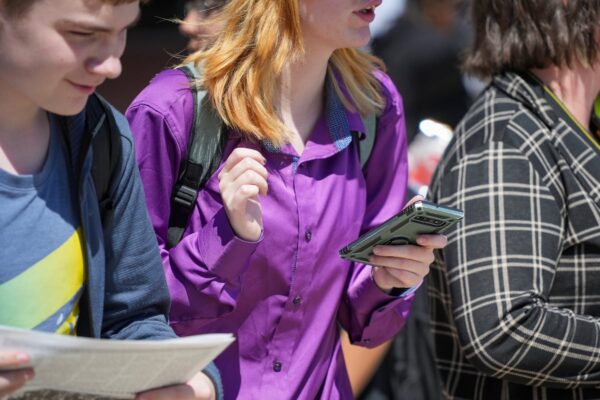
point(17, 8)
point(524, 34)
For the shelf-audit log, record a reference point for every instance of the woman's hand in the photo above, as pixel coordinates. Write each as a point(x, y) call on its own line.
point(16, 376)
point(200, 387)
point(241, 180)
point(405, 266)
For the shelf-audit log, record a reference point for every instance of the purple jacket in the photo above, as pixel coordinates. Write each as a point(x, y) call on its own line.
point(285, 296)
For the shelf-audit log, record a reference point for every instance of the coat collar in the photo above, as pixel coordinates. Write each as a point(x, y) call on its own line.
point(533, 94)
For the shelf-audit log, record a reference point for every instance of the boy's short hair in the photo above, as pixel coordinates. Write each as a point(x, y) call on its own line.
point(524, 34)
point(19, 7)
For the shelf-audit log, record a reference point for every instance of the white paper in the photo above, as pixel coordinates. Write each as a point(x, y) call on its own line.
point(114, 368)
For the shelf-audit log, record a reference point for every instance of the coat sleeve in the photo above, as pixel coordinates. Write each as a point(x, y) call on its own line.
point(368, 314)
point(136, 296)
point(498, 270)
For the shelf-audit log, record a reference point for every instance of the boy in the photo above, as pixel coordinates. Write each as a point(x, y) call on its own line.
point(63, 269)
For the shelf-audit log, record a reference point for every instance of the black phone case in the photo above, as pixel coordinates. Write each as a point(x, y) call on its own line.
point(422, 217)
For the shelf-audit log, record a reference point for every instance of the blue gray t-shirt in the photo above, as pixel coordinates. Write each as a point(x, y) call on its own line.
point(42, 267)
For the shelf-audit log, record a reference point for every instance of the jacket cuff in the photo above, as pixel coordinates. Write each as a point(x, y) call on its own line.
point(213, 373)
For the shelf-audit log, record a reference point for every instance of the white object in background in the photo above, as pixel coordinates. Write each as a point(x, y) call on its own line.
point(425, 152)
point(385, 16)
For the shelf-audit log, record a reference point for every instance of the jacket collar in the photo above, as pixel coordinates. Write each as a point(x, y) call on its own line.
point(533, 94)
point(528, 91)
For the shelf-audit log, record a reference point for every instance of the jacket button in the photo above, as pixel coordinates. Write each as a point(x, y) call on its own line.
point(308, 236)
point(297, 300)
point(277, 366)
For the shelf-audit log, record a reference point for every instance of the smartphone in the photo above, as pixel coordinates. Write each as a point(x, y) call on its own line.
point(422, 217)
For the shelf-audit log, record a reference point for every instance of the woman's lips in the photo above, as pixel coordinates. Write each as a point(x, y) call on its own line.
point(366, 14)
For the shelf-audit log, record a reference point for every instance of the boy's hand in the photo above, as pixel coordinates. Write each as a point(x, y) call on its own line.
point(16, 377)
point(200, 387)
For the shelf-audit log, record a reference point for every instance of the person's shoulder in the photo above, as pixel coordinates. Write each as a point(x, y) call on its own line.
point(168, 88)
point(497, 121)
point(501, 116)
point(387, 85)
point(392, 98)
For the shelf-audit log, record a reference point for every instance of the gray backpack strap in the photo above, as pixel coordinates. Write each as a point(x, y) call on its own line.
point(205, 151)
point(365, 146)
point(103, 136)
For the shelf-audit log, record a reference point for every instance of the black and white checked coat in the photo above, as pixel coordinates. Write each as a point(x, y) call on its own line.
point(515, 297)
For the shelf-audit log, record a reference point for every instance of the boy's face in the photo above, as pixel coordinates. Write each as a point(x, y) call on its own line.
point(56, 54)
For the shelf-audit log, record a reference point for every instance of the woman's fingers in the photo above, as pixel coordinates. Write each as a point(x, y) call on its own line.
point(242, 178)
point(405, 266)
point(432, 241)
point(246, 186)
point(408, 251)
point(240, 154)
point(241, 167)
point(389, 278)
point(398, 272)
point(419, 268)
point(414, 200)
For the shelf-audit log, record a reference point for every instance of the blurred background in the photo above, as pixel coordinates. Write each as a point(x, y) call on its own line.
point(420, 47)
point(152, 46)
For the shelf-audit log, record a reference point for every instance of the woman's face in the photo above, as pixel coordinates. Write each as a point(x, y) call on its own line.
point(335, 24)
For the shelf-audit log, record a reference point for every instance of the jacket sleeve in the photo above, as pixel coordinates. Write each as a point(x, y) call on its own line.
point(368, 314)
point(499, 268)
point(137, 299)
point(136, 296)
point(204, 271)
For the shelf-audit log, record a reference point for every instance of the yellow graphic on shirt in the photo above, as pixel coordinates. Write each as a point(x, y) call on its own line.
point(51, 285)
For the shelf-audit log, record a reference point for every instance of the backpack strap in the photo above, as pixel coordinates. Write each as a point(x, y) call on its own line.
point(106, 148)
point(204, 155)
point(365, 146)
point(101, 133)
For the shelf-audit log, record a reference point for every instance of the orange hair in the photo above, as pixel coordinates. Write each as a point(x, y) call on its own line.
point(242, 66)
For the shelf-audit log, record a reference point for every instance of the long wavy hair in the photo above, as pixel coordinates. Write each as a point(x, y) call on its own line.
point(242, 66)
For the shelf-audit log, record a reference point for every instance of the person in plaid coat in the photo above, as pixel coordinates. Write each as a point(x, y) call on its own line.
point(516, 293)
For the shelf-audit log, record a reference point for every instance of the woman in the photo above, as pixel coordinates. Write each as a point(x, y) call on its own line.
point(514, 296)
point(261, 247)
